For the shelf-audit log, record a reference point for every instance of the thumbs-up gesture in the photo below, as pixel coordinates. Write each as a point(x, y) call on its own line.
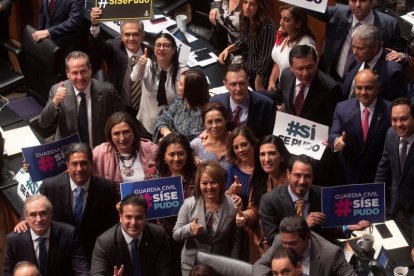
point(60, 95)
point(240, 219)
point(339, 143)
point(144, 58)
point(196, 228)
point(236, 187)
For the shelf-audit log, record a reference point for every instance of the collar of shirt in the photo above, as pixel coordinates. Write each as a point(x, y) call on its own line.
point(36, 236)
point(306, 259)
point(244, 106)
point(297, 88)
point(137, 54)
point(295, 198)
point(369, 19)
point(375, 59)
point(371, 108)
point(87, 91)
point(129, 239)
point(73, 185)
point(410, 140)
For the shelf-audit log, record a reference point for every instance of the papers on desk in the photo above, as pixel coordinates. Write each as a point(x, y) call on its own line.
point(396, 241)
point(196, 59)
point(409, 17)
point(18, 138)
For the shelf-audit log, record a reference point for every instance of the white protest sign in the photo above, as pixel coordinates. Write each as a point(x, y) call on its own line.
point(301, 136)
point(26, 186)
point(315, 5)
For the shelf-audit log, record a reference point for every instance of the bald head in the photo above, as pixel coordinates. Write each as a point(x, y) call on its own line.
point(25, 269)
point(367, 86)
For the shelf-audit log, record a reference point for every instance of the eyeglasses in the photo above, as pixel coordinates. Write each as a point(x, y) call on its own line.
point(165, 46)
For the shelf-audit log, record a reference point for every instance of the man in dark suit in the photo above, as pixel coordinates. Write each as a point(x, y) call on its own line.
point(359, 128)
point(341, 21)
point(98, 197)
point(318, 256)
point(302, 198)
point(120, 54)
point(133, 245)
point(243, 106)
point(319, 95)
point(53, 246)
point(63, 109)
point(397, 166)
point(369, 53)
point(62, 22)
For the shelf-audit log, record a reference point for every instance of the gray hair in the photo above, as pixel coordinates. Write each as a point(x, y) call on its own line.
point(27, 264)
point(368, 33)
point(77, 55)
point(138, 22)
point(32, 198)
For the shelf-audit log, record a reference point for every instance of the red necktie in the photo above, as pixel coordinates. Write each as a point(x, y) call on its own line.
point(300, 98)
point(236, 116)
point(51, 6)
point(365, 123)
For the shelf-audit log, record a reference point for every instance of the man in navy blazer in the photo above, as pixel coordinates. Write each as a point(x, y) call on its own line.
point(100, 197)
point(118, 52)
point(397, 165)
point(62, 22)
point(64, 255)
point(369, 53)
point(257, 110)
point(133, 245)
point(341, 21)
point(360, 151)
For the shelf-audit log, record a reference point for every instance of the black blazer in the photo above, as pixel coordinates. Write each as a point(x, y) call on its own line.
point(99, 214)
point(65, 255)
point(277, 204)
point(112, 250)
point(261, 116)
point(323, 95)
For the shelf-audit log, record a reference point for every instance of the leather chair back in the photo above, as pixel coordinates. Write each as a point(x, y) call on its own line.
point(42, 65)
point(225, 265)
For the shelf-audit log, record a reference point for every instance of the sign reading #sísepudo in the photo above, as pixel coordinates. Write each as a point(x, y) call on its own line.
point(315, 5)
point(301, 136)
point(113, 10)
point(345, 205)
point(164, 195)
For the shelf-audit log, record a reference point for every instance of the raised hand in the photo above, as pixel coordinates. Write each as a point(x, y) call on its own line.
point(196, 228)
point(60, 95)
point(339, 143)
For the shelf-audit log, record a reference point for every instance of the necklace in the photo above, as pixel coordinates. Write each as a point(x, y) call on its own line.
point(127, 161)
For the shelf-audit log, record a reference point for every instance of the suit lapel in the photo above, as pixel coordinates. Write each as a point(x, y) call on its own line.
point(96, 109)
point(408, 160)
point(223, 213)
point(28, 244)
point(356, 117)
point(66, 191)
point(123, 251)
point(291, 81)
point(71, 105)
point(53, 252)
point(91, 198)
point(376, 121)
point(315, 262)
point(287, 199)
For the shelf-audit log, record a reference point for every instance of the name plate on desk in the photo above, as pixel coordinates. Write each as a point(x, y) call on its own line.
point(124, 9)
point(345, 205)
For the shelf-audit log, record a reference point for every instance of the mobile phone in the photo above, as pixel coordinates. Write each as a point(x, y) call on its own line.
point(202, 52)
point(383, 230)
point(202, 57)
point(158, 20)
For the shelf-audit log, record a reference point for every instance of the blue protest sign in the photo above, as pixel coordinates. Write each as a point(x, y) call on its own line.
point(48, 159)
point(164, 195)
point(344, 205)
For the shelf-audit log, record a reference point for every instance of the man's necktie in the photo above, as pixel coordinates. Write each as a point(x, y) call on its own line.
point(136, 264)
point(403, 153)
point(365, 123)
point(161, 95)
point(83, 119)
point(300, 99)
point(42, 256)
point(350, 59)
point(300, 205)
point(51, 6)
point(136, 89)
point(78, 211)
point(236, 117)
